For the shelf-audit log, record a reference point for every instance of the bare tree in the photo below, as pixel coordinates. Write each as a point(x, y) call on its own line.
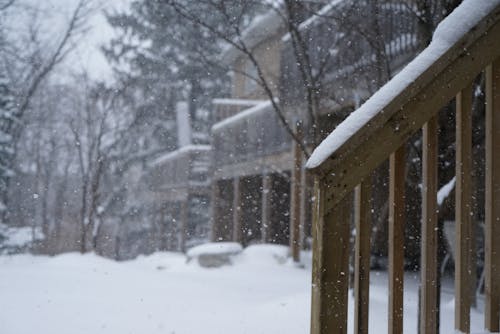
point(27, 65)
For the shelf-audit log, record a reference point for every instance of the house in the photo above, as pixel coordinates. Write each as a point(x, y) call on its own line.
point(465, 44)
point(252, 155)
point(261, 192)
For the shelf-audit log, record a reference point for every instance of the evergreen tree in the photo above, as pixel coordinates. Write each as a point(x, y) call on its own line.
point(167, 61)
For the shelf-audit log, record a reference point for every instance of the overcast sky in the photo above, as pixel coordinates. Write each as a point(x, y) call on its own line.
point(88, 54)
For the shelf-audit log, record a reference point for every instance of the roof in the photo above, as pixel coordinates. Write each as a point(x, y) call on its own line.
point(460, 22)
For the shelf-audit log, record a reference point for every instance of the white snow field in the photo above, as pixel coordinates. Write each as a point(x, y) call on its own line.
point(161, 293)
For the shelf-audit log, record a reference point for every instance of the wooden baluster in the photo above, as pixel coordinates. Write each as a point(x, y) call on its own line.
point(396, 239)
point(492, 195)
point(362, 217)
point(330, 275)
point(463, 207)
point(429, 265)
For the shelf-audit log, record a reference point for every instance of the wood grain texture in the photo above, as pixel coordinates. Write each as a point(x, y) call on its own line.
point(463, 208)
point(396, 239)
point(429, 244)
point(492, 195)
point(330, 273)
point(362, 220)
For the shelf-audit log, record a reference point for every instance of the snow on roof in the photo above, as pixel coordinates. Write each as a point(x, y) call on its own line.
point(177, 153)
point(262, 27)
point(312, 20)
point(449, 31)
point(261, 107)
point(236, 102)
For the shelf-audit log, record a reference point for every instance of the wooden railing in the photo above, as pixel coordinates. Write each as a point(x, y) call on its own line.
point(384, 137)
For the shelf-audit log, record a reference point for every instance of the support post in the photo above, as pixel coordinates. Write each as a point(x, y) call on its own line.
point(463, 206)
point(183, 224)
point(429, 242)
point(330, 266)
point(492, 222)
point(396, 239)
point(216, 219)
point(295, 199)
point(266, 206)
point(362, 217)
point(237, 223)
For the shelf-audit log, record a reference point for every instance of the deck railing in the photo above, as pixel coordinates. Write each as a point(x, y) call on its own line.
point(349, 168)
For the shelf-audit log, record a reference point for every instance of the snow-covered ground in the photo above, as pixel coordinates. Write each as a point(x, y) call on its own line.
point(161, 293)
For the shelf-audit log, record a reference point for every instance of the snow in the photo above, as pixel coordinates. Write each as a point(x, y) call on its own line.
point(182, 151)
point(458, 23)
point(261, 107)
point(215, 248)
point(445, 191)
point(161, 293)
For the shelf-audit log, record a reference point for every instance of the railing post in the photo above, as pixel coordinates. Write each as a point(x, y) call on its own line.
point(463, 207)
point(330, 265)
point(429, 266)
point(362, 217)
point(492, 195)
point(396, 239)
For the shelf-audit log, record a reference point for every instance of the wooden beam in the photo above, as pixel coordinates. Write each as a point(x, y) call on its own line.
point(408, 111)
point(266, 206)
point(429, 243)
point(396, 239)
point(330, 274)
point(463, 208)
point(237, 223)
point(492, 222)
point(295, 198)
point(362, 219)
